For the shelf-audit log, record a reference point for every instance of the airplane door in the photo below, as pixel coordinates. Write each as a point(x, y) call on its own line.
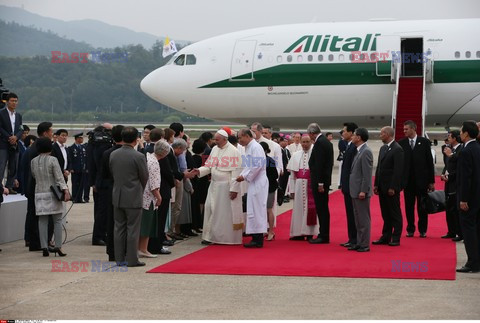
point(388, 46)
point(242, 60)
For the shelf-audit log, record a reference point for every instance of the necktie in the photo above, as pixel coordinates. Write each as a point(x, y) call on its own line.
point(412, 143)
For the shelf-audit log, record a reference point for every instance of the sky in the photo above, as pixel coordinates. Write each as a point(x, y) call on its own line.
point(200, 19)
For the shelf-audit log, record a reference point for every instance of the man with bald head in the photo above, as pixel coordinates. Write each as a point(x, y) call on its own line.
point(223, 217)
point(388, 184)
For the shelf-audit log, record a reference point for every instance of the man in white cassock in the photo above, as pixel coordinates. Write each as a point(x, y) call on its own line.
point(223, 218)
point(255, 174)
point(304, 223)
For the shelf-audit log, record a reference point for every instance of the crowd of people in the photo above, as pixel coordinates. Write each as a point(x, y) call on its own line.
point(153, 188)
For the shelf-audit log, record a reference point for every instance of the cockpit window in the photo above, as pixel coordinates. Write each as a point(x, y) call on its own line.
point(180, 60)
point(191, 60)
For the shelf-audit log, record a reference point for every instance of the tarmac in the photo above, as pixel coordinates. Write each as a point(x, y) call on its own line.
point(30, 290)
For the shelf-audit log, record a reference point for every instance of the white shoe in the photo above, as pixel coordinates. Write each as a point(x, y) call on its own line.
point(142, 254)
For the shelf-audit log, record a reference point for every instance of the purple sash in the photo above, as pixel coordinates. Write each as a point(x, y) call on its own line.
point(311, 212)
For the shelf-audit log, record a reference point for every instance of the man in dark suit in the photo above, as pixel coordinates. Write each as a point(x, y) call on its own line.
point(419, 176)
point(348, 154)
point(104, 185)
point(468, 193)
point(61, 152)
point(10, 133)
point(130, 175)
point(388, 184)
point(78, 167)
point(449, 176)
point(321, 164)
point(283, 180)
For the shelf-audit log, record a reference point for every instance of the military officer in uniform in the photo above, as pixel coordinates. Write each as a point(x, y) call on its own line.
point(79, 169)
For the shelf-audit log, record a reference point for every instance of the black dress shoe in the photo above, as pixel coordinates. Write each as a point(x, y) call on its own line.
point(346, 244)
point(394, 243)
point(168, 243)
point(297, 238)
point(206, 243)
point(253, 244)
point(448, 236)
point(164, 251)
point(423, 235)
point(98, 243)
point(409, 234)
point(138, 264)
point(363, 249)
point(456, 239)
point(380, 241)
point(353, 247)
point(318, 240)
point(466, 269)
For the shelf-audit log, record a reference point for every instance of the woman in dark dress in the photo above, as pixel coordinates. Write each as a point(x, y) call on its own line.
point(200, 186)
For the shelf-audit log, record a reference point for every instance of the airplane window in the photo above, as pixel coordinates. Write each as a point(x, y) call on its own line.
point(180, 60)
point(191, 60)
point(310, 57)
point(279, 58)
point(330, 57)
point(341, 57)
point(478, 53)
point(289, 58)
point(173, 58)
point(468, 54)
point(300, 58)
point(457, 54)
point(320, 58)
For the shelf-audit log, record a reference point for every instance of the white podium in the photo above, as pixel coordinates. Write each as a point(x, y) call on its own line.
point(13, 212)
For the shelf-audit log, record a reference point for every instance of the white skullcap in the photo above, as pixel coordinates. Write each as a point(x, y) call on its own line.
point(222, 133)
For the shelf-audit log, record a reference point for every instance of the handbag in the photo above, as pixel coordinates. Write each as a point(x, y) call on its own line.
point(434, 202)
point(57, 192)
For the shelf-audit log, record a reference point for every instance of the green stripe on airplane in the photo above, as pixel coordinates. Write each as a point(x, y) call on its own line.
point(466, 71)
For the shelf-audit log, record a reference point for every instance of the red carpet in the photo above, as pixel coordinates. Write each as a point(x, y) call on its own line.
point(416, 258)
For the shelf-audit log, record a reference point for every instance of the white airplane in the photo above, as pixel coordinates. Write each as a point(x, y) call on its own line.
point(329, 73)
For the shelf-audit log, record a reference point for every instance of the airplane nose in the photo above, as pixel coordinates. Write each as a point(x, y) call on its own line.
point(149, 84)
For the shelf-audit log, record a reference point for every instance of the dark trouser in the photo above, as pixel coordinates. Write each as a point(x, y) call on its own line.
point(197, 216)
point(105, 197)
point(392, 217)
point(283, 181)
point(453, 221)
point(323, 213)
point(100, 209)
point(86, 187)
point(10, 157)
point(470, 224)
point(78, 180)
point(411, 193)
point(352, 229)
point(258, 238)
point(32, 234)
point(156, 244)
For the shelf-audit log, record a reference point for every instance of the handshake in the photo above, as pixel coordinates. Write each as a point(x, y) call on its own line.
point(192, 173)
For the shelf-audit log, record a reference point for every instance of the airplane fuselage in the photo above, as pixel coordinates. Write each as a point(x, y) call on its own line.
point(291, 75)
